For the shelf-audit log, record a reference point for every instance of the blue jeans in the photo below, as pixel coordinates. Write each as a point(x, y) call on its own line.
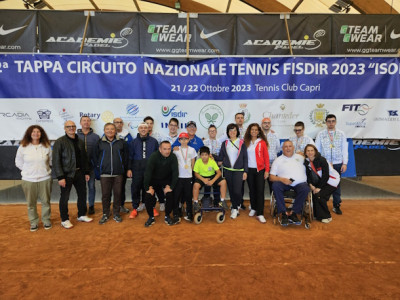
point(92, 189)
point(302, 190)
point(336, 194)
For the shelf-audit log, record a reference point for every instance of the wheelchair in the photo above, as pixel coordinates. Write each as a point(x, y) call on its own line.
point(289, 196)
point(208, 206)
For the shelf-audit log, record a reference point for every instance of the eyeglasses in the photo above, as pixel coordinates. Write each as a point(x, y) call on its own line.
point(331, 121)
point(297, 130)
point(118, 122)
point(70, 127)
point(183, 139)
point(172, 125)
point(266, 122)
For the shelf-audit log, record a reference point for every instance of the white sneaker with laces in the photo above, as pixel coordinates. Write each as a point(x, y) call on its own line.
point(252, 213)
point(141, 207)
point(234, 213)
point(67, 224)
point(261, 219)
point(85, 219)
point(326, 221)
point(162, 206)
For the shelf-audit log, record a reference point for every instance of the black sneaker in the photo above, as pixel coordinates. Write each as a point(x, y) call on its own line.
point(168, 221)
point(293, 219)
point(150, 221)
point(284, 220)
point(91, 210)
point(103, 219)
point(189, 217)
point(337, 210)
point(117, 218)
point(242, 206)
point(223, 205)
point(34, 228)
point(176, 220)
point(196, 206)
point(123, 209)
point(47, 226)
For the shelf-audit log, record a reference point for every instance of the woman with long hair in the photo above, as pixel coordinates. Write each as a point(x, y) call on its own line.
point(233, 155)
point(323, 180)
point(258, 164)
point(33, 159)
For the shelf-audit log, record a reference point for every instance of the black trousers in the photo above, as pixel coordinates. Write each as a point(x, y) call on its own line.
point(183, 193)
point(234, 180)
point(256, 183)
point(171, 203)
point(320, 202)
point(113, 184)
point(137, 187)
point(79, 183)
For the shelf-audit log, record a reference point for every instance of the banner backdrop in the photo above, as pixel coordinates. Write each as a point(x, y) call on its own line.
point(366, 34)
point(266, 35)
point(362, 92)
point(17, 31)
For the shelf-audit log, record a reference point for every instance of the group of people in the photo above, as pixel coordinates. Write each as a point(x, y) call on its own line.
point(174, 169)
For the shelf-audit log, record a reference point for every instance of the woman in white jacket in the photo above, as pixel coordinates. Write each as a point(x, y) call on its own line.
point(33, 159)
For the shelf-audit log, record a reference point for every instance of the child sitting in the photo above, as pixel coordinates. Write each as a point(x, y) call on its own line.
point(207, 172)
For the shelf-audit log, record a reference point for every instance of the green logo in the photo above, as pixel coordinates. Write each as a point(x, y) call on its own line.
point(211, 114)
point(151, 28)
point(343, 29)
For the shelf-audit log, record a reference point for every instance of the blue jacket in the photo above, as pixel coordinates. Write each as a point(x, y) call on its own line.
point(90, 141)
point(136, 159)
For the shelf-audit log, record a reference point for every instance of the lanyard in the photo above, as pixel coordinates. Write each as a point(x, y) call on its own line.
point(185, 157)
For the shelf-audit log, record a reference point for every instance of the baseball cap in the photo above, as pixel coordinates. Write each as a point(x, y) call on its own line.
point(266, 120)
point(183, 135)
point(191, 123)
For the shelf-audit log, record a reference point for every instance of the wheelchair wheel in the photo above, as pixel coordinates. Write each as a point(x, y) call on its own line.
point(220, 217)
point(307, 225)
point(198, 218)
point(272, 205)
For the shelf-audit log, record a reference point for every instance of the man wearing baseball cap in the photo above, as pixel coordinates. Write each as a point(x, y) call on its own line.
point(194, 141)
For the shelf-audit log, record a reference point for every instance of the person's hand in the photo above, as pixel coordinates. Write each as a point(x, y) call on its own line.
point(206, 180)
point(129, 173)
point(87, 177)
point(343, 168)
point(167, 189)
point(244, 176)
point(176, 148)
point(266, 174)
point(301, 153)
point(210, 182)
point(62, 183)
point(316, 190)
point(150, 191)
point(212, 157)
point(286, 181)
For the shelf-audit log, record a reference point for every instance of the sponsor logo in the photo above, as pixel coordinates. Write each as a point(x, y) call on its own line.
point(44, 116)
point(392, 116)
point(317, 116)
point(393, 145)
point(361, 34)
point(133, 119)
point(96, 42)
point(9, 143)
point(243, 109)
point(168, 33)
point(357, 124)
point(107, 116)
point(211, 114)
point(282, 118)
point(92, 116)
point(361, 109)
point(166, 111)
point(6, 32)
point(394, 36)
point(306, 43)
point(132, 109)
point(65, 115)
point(206, 36)
point(19, 115)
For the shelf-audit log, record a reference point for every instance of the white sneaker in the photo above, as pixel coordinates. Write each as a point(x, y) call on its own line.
point(326, 221)
point(261, 219)
point(141, 207)
point(67, 224)
point(162, 206)
point(234, 213)
point(252, 213)
point(85, 219)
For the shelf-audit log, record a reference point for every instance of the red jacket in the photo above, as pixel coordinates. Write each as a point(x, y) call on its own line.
point(262, 157)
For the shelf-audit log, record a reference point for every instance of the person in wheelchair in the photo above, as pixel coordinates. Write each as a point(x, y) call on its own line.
point(288, 172)
point(207, 172)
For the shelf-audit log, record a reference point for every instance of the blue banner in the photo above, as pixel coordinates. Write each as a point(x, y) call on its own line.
point(128, 77)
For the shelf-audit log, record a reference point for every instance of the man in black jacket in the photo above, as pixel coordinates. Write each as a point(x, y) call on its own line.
point(111, 160)
point(71, 167)
point(161, 175)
